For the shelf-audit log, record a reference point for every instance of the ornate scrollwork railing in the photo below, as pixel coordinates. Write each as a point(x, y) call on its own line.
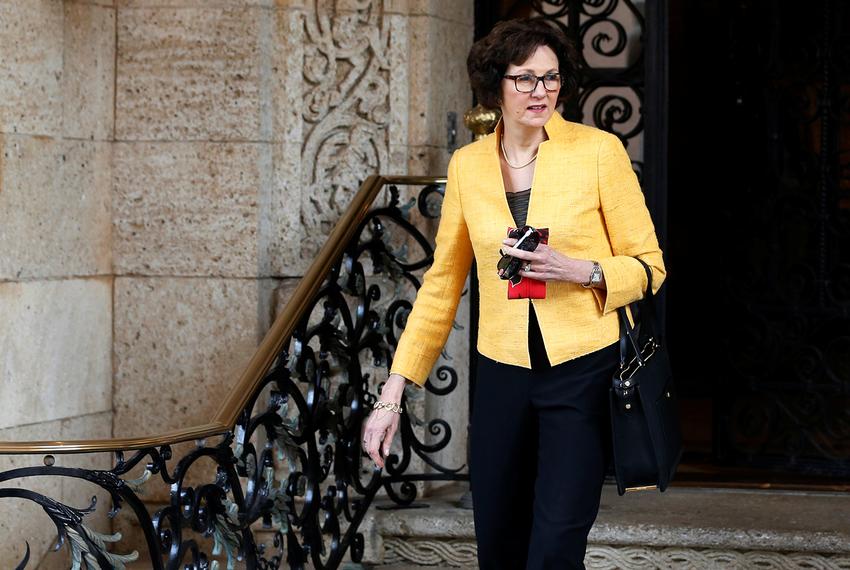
point(285, 443)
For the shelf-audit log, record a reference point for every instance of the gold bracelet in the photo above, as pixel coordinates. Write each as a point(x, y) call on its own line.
point(387, 405)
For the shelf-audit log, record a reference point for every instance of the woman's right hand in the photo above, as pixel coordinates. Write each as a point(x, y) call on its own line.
point(381, 425)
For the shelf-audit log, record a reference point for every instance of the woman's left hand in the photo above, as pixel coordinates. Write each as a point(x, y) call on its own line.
point(548, 264)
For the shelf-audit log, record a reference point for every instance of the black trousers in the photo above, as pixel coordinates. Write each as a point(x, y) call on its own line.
point(540, 444)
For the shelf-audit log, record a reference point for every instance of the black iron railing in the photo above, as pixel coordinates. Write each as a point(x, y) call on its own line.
point(286, 441)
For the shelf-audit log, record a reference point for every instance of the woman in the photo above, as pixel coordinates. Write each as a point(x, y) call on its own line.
point(539, 436)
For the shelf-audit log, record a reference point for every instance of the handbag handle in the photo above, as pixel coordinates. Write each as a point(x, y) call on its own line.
point(647, 324)
point(647, 306)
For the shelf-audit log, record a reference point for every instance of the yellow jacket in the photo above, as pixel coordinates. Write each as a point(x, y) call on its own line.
point(585, 191)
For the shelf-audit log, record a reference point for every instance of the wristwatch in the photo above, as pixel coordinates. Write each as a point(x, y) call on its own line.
point(595, 276)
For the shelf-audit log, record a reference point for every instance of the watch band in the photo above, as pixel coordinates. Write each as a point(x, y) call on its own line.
point(595, 275)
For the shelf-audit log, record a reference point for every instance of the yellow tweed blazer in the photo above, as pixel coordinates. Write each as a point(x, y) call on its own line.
point(585, 191)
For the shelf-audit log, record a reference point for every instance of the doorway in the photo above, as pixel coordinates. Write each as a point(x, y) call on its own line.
point(758, 306)
point(745, 171)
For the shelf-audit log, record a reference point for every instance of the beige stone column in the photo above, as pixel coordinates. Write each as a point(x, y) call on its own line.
point(56, 119)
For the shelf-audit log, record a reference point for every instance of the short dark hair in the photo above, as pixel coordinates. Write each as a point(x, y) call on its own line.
point(514, 41)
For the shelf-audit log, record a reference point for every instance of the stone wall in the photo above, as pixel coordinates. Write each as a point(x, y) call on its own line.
point(162, 161)
point(57, 63)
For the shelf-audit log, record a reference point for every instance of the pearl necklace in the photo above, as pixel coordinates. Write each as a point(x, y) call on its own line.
point(533, 158)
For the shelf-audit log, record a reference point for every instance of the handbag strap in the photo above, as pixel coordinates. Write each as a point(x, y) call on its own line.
point(626, 335)
point(647, 324)
point(648, 305)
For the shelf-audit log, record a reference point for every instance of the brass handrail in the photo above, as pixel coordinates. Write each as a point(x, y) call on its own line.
point(281, 329)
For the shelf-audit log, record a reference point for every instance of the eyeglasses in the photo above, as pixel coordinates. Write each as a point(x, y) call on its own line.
point(526, 82)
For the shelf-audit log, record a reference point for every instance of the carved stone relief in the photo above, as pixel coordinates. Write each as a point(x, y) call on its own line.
point(355, 107)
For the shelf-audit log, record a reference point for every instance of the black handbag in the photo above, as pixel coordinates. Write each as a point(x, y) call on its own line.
point(647, 437)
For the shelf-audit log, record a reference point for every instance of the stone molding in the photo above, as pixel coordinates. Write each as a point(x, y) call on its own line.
point(462, 554)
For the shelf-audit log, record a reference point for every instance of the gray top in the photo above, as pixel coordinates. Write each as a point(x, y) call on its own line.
point(518, 203)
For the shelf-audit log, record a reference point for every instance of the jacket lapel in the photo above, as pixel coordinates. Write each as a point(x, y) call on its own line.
point(545, 171)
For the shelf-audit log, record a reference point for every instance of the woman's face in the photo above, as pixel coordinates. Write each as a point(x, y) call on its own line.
point(530, 109)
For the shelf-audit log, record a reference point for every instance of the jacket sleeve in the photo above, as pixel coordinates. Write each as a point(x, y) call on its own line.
point(630, 230)
point(430, 320)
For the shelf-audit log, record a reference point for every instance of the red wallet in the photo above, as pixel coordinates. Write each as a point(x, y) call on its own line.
point(528, 287)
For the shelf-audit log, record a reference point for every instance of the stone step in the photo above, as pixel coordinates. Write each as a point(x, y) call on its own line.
point(681, 527)
point(680, 516)
point(695, 525)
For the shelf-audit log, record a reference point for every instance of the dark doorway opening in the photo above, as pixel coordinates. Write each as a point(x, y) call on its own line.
point(751, 198)
point(758, 306)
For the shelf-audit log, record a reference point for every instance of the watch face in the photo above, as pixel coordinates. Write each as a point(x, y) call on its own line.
point(596, 274)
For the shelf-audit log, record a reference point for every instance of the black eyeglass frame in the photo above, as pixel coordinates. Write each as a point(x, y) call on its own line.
point(539, 78)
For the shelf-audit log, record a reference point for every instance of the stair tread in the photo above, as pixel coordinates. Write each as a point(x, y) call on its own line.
point(680, 516)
